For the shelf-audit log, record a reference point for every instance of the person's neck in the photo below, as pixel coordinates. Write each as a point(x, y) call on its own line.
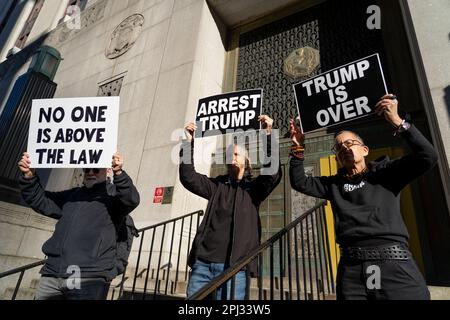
point(357, 168)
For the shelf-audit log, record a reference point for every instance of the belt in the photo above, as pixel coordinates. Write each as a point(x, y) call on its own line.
point(391, 252)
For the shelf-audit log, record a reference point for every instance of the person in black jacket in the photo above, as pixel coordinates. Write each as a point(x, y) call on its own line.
point(375, 260)
point(81, 253)
point(231, 227)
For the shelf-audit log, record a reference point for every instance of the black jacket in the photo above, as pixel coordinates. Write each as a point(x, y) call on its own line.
point(369, 208)
point(249, 195)
point(85, 234)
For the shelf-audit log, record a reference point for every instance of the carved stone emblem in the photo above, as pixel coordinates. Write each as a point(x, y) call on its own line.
point(301, 62)
point(70, 28)
point(124, 36)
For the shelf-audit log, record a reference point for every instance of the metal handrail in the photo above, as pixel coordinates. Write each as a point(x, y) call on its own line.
point(171, 220)
point(255, 253)
point(23, 268)
point(141, 232)
point(167, 266)
point(20, 270)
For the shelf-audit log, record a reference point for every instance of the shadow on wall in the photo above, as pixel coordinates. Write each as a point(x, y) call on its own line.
point(10, 67)
point(223, 30)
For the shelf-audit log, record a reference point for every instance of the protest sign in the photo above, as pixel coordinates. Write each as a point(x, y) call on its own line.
point(73, 132)
point(230, 111)
point(342, 94)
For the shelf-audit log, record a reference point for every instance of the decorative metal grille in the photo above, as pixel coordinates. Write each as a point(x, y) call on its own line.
point(111, 88)
point(336, 28)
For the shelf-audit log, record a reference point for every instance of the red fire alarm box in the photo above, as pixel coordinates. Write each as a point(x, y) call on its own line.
point(158, 196)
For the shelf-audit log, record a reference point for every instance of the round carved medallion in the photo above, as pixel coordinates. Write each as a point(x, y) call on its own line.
point(301, 62)
point(124, 36)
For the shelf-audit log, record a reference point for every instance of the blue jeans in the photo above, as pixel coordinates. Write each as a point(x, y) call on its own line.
point(204, 272)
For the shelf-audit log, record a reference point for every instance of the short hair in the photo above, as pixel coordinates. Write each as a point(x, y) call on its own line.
point(352, 132)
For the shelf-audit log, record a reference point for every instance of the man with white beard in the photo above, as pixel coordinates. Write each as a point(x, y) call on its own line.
point(81, 253)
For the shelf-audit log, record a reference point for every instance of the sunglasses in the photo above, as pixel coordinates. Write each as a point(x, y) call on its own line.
point(89, 170)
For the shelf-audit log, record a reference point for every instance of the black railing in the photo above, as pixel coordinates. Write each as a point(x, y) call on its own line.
point(304, 269)
point(21, 271)
point(161, 276)
point(294, 264)
point(154, 278)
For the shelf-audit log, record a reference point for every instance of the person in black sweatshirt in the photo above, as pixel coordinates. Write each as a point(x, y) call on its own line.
point(231, 227)
point(375, 260)
point(81, 253)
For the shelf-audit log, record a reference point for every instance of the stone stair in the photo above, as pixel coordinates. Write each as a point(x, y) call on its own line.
point(177, 290)
point(166, 287)
point(439, 293)
point(24, 293)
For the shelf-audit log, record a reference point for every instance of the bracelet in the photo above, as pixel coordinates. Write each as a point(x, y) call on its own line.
point(298, 155)
point(298, 152)
point(298, 148)
point(402, 127)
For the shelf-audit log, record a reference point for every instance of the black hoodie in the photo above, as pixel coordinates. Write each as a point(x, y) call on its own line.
point(248, 195)
point(368, 211)
point(85, 234)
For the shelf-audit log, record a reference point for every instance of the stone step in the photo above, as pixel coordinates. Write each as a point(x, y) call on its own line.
point(22, 294)
point(181, 286)
point(254, 295)
point(113, 293)
point(34, 283)
point(153, 273)
point(173, 288)
point(439, 293)
point(277, 282)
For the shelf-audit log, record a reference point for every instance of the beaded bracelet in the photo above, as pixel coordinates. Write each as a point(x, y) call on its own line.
point(298, 155)
point(297, 151)
point(295, 148)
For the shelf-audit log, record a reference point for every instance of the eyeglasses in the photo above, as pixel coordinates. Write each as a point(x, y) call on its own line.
point(347, 143)
point(87, 170)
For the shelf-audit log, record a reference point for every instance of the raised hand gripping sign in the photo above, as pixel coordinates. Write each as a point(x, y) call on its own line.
point(73, 132)
point(223, 113)
point(342, 94)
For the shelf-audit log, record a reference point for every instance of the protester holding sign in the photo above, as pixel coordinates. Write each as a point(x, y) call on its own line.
point(231, 226)
point(340, 95)
point(82, 250)
point(365, 198)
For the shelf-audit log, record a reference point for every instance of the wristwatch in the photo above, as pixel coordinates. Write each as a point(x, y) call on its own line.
point(402, 127)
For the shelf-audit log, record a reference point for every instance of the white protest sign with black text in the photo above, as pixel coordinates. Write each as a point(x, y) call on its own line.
point(73, 132)
point(342, 94)
point(230, 111)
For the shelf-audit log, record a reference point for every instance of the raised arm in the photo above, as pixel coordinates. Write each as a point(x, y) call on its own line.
point(313, 186)
point(126, 197)
point(422, 157)
point(271, 173)
point(44, 202)
point(195, 182)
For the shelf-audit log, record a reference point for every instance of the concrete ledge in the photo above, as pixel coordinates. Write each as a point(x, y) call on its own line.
point(439, 293)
